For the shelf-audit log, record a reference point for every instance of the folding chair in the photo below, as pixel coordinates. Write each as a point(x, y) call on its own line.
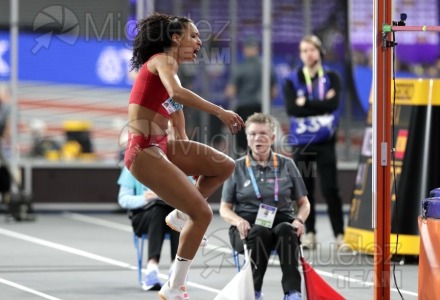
point(139, 246)
point(236, 257)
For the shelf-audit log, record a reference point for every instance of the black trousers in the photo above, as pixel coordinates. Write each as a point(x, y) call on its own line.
point(262, 240)
point(152, 222)
point(322, 158)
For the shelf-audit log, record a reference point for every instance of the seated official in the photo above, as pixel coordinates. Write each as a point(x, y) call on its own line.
point(257, 202)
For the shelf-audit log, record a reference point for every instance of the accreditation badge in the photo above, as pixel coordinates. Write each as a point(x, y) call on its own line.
point(266, 215)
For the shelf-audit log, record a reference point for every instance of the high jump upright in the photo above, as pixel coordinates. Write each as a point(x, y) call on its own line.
point(382, 143)
point(381, 214)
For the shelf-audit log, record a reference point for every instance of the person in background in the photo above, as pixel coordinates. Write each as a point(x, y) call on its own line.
point(257, 202)
point(5, 176)
point(5, 111)
point(147, 213)
point(161, 44)
point(311, 95)
point(244, 87)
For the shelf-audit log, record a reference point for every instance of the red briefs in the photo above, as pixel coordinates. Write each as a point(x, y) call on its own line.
point(138, 142)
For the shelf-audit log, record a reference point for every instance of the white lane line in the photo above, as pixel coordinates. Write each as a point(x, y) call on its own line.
point(358, 281)
point(64, 248)
point(114, 225)
point(26, 289)
point(100, 222)
point(88, 255)
point(128, 228)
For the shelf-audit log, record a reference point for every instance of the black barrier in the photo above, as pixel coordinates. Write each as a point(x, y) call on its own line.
point(415, 168)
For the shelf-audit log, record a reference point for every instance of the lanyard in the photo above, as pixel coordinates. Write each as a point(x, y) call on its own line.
point(309, 83)
point(254, 182)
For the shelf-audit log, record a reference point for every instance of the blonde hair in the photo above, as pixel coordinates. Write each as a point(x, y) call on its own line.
point(261, 119)
point(315, 41)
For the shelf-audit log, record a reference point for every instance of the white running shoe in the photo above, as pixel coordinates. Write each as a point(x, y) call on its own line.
point(309, 241)
point(341, 246)
point(176, 220)
point(167, 293)
point(151, 282)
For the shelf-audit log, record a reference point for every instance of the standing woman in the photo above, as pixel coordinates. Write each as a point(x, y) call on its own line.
point(162, 43)
point(311, 95)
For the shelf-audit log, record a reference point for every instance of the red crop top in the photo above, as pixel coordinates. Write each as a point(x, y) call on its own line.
point(149, 92)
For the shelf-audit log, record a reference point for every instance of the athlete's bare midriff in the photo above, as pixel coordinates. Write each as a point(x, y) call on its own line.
point(145, 121)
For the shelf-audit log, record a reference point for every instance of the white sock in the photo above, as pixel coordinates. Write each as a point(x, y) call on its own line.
point(181, 267)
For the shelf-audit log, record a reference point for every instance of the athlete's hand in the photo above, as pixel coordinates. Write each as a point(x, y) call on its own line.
point(232, 120)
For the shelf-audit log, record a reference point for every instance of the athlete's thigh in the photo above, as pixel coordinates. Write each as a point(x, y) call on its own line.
point(195, 158)
point(154, 170)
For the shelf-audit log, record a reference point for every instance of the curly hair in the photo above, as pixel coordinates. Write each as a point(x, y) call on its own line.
point(154, 36)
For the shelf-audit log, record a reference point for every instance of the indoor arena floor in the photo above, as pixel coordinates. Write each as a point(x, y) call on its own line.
point(72, 256)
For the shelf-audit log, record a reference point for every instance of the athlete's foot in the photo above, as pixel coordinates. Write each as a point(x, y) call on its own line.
point(176, 220)
point(167, 293)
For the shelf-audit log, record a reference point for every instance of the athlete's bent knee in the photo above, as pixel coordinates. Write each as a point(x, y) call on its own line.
point(202, 215)
point(228, 167)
